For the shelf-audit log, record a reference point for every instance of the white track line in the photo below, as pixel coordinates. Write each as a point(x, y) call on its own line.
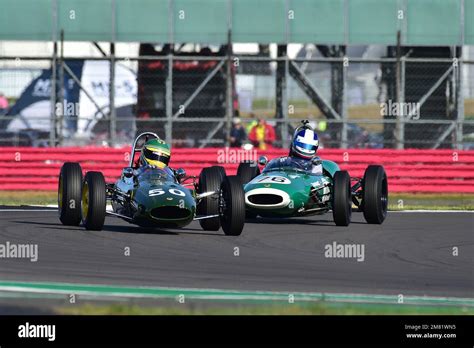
point(207, 294)
point(390, 211)
point(430, 211)
point(33, 208)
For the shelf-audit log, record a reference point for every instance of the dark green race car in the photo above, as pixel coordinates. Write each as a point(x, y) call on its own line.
point(152, 197)
point(286, 188)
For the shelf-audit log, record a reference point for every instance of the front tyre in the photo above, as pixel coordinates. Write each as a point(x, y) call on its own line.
point(375, 194)
point(93, 203)
point(247, 171)
point(69, 194)
point(232, 213)
point(342, 198)
point(210, 179)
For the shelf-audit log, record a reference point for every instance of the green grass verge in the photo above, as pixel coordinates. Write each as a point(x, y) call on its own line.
point(28, 197)
point(405, 201)
point(397, 201)
point(289, 309)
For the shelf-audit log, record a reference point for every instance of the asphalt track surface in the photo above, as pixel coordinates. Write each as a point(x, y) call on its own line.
point(411, 253)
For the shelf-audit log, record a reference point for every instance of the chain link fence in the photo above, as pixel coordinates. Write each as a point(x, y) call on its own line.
point(192, 100)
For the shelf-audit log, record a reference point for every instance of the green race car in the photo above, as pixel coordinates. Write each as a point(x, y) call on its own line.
point(286, 187)
point(149, 196)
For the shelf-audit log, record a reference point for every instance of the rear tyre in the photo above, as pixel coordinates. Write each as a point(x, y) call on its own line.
point(210, 179)
point(247, 171)
point(233, 207)
point(375, 194)
point(69, 194)
point(342, 200)
point(221, 170)
point(93, 203)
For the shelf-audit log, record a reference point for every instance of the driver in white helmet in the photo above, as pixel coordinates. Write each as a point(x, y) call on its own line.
point(304, 147)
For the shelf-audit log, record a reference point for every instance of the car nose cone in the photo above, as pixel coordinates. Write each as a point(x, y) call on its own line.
point(267, 198)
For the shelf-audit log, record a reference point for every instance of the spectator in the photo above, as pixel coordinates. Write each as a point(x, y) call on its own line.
point(3, 103)
point(262, 135)
point(252, 123)
point(237, 133)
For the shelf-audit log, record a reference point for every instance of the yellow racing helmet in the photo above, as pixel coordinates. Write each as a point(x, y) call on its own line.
point(155, 152)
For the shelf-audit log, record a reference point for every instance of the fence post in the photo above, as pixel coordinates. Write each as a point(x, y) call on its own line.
point(286, 84)
point(169, 99)
point(281, 91)
point(402, 101)
point(460, 106)
point(60, 116)
point(284, 128)
point(112, 113)
point(344, 115)
point(169, 76)
point(399, 131)
point(229, 88)
point(52, 123)
point(230, 77)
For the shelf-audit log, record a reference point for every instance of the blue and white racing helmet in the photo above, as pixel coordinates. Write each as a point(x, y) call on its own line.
point(305, 143)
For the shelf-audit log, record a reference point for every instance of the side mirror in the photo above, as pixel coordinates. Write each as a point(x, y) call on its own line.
point(263, 160)
point(127, 172)
point(180, 173)
point(317, 161)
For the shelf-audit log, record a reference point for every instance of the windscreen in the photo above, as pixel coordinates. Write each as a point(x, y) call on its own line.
point(156, 175)
point(288, 163)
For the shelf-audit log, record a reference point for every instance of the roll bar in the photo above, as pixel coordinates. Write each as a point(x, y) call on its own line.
point(134, 147)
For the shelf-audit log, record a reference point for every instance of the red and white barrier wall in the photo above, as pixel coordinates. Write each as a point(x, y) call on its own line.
point(448, 171)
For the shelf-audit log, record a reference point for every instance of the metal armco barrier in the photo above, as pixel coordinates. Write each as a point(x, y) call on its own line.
point(408, 170)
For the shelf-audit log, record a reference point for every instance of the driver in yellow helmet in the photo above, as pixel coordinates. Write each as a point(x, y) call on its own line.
point(155, 153)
